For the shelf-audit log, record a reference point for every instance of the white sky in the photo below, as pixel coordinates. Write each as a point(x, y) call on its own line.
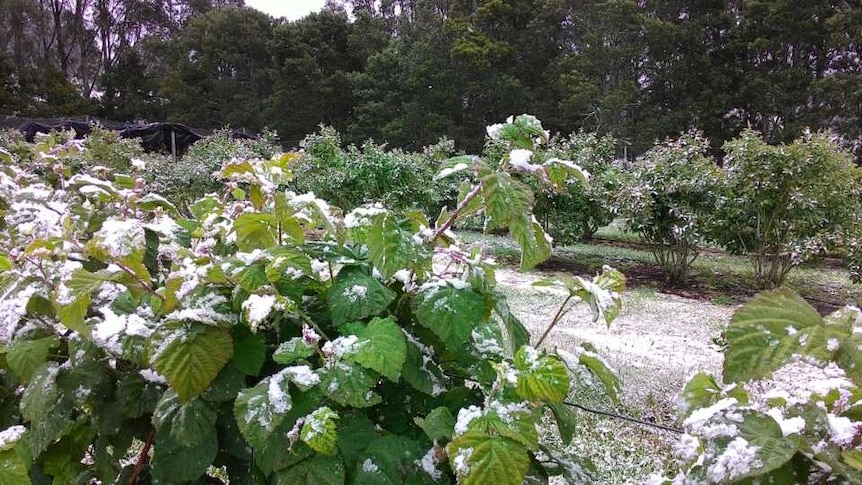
point(292, 9)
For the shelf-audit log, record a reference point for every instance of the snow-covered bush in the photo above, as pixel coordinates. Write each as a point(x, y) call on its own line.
point(786, 204)
point(789, 409)
point(668, 198)
point(265, 334)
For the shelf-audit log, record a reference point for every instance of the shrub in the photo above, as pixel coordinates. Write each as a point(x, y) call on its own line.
point(267, 335)
point(577, 211)
point(356, 176)
point(194, 174)
point(785, 204)
point(668, 198)
point(788, 409)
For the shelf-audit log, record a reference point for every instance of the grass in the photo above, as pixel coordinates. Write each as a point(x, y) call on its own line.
point(716, 275)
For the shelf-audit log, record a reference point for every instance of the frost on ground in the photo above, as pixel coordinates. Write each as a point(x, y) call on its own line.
point(656, 343)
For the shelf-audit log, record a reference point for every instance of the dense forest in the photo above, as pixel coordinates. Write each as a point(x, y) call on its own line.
point(407, 72)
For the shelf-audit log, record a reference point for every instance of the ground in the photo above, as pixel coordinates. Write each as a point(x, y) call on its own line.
point(655, 344)
point(662, 336)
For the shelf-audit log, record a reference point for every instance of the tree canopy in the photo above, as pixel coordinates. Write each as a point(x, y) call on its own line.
point(407, 72)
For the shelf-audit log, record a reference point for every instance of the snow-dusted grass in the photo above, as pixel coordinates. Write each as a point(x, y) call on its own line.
point(655, 344)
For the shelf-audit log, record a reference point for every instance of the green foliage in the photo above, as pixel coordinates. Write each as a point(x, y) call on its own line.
point(265, 333)
point(786, 204)
point(668, 198)
point(577, 211)
point(788, 410)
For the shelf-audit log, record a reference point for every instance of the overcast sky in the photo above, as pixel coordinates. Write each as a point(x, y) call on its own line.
point(292, 9)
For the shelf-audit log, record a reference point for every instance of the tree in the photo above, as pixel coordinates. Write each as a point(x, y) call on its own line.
point(785, 204)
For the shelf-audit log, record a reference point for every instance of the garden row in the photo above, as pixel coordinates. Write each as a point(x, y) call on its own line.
point(263, 331)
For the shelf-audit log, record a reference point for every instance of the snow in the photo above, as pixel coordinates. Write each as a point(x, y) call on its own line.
point(257, 308)
point(687, 448)
point(843, 430)
point(202, 310)
point(11, 435)
point(121, 237)
point(355, 293)
point(309, 336)
point(465, 415)
point(108, 332)
point(485, 346)
point(369, 466)
point(12, 309)
point(250, 258)
point(362, 216)
point(302, 375)
point(738, 459)
point(495, 131)
point(458, 167)
point(520, 160)
point(342, 346)
point(460, 462)
point(429, 465)
point(279, 400)
point(832, 344)
point(152, 376)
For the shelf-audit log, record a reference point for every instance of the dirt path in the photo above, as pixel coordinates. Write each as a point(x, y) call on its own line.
point(656, 337)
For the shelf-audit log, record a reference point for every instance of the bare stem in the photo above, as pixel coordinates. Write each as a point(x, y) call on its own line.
point(142, 458)
point(456, 213)
point(554, 322)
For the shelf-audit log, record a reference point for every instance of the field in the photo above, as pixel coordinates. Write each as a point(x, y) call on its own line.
point(659, 340)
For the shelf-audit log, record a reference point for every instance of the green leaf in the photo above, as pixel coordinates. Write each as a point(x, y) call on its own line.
point(261, 409)
point(315, 470)
point(534, 242)
point(450, 311)
point(249, 351)
point(516, 334)
point(438, 424)
point(255, 231)
point(136, 397)
point(382, 347)
point(478, 459)
point(355, 295)
point(701, 391)
point(390, 245)
point(174, 462)
point(853, 458)
point(193, 358)
point(13, 468)
point(600, 369)
point(506, 200)
point(764, 334)
point(567, 421)
point(5, 263)
point(421, 370)
point(849, 358)
point(350, 385)
point(293, 350)
point(73, 314)
point(774, 450)
point(319, 431)
point(188, 423)
point(26, 356)
point(390, 460)
point(541, 377)
point(46, 409)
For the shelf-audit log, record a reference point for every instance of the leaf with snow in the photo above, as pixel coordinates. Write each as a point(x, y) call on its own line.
point(382, 347)
point(293, 350)
point(192, 357)
point(391, 245)
point(772, 450)
point(450, 310)
point(259, 410)
point(438, 424)
point(319, 431)
point(355, 296)
point(541, 378)
point(349, 384)
point(26, 356)
point(478, 459)
point(765, 333)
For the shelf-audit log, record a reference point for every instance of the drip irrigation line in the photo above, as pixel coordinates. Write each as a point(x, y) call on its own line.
point(624, 418)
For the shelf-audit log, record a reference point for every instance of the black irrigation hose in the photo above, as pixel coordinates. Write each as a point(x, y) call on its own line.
point(624, 418)
point(596, 411)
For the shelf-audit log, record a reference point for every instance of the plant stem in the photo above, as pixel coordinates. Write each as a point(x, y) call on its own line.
point(138, 279)
point(457, 212)
point(142, 458)
point(554, 322)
